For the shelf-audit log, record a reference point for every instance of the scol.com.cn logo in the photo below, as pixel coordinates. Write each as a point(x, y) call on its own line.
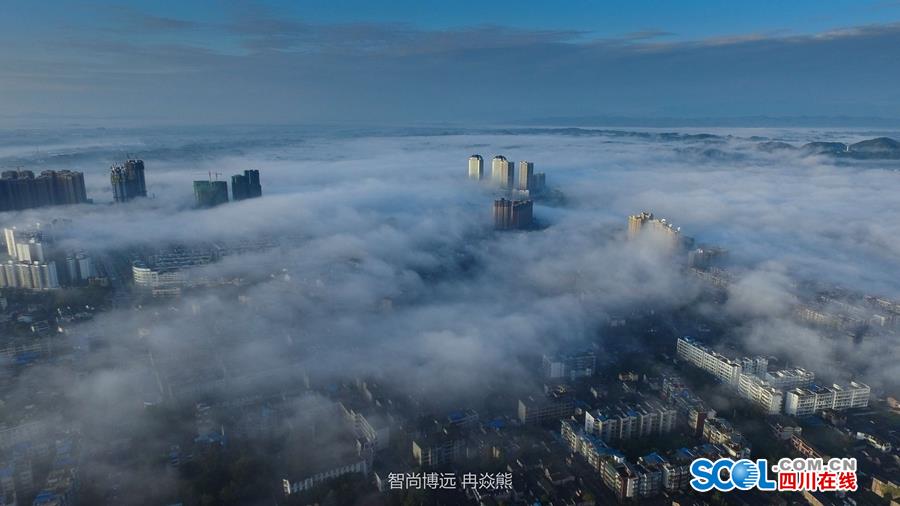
point(795, 475)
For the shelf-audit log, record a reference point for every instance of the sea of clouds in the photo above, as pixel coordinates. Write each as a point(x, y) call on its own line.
point(388, 266)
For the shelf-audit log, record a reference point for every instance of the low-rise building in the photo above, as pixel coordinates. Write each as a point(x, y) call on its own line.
point(785, 431)
point(629, 422)
point(807, 401)
point(570, 366)
point(691, 410)
point(804, 448)
point(351, 449)
point(723, 368)
point(766, 397)
point(438, 448)
point(312, 481)
point(676, 473)
point(721, 432)
point(785, 379)
point(539, 410)
point(588, 446)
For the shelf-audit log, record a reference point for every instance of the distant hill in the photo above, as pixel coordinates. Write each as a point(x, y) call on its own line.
point(772, 146)
point(881, 148)
point(824, 148)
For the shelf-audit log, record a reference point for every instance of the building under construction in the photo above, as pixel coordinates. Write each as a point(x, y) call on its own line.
point(128, 180)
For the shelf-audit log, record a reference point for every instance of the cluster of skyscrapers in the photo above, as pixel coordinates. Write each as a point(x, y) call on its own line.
point(515, 213)
point(21, 189)
point(503, 174)
point(32, 263)
point(212, 192)
point(28, 266)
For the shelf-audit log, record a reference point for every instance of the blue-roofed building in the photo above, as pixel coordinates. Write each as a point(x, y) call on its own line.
point(60, 489)
point(464, 419)
point(7, 485)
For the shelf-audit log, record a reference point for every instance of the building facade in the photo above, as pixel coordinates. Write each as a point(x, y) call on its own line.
point(569, 366)
point(210, 193)
point(503, 172)
point(476, 168)
point(723, 368)
point(659, 228)
point(785, 379)
point(766, 397)
point(246, 185)
point(513, 214)
point(535, 411)
point(526, 176)
point(813, 399)
point(630, 422)
point(128, 181)
point(29, 275)
point(438, 449)
point(23, 190)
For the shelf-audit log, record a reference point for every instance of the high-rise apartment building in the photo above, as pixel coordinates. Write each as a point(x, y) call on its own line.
point(210, 193)
point(246, 185)
point(503, 172)
point(128, 181)
point(513, 214)
point(659, 228)
point(79, 268)
point(29, 267)
point(526, 176)
point(9, 238)
point(22, 190)
point(67, 186)
point(31, 251)
point(476, 168)
point(24, 246)
point(538, 182)
point(29, 275)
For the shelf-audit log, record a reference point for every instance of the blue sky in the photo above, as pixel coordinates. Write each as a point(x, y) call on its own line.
point(444, 61)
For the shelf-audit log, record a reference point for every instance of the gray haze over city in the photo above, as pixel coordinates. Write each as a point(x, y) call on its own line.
point(389, 267)
point(702, 262)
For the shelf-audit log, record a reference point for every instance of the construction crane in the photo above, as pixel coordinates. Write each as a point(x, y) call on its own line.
point(211, 174)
